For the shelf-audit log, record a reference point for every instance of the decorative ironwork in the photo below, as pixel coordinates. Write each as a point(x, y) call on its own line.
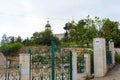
point(40, 65)
point(81, 65)
point(51, 64)
point(11, 72)
point(108, 57)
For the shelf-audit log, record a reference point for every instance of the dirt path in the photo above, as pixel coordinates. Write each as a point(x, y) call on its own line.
point(113, 74)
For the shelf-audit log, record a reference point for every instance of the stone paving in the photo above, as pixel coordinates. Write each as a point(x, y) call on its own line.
point(113, 74)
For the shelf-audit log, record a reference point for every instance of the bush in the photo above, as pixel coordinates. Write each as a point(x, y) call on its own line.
point(10, 49)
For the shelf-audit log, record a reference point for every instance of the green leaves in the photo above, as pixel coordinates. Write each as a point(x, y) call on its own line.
point(111, 31)
point(86, 29)
point(10, 49)
point(44, 38)
point(83, 32)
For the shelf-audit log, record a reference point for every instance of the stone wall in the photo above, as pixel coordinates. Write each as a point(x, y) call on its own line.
point(117, 50)
point(2, 59)
point(79, 51)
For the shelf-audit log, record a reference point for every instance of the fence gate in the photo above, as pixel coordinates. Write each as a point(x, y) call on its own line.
point(108, 57)
point(92, 63)
point(51, 64)
point(10, 72)
point(40, 68)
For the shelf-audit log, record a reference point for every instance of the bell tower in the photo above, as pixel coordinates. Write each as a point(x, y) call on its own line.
point(48, 26)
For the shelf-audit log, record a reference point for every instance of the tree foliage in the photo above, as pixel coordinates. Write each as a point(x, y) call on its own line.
point(4, 39)
point(84, 32)
point(68, 27)
point(86, 29)
point(41, 38)
point(111, 31)
point(19, 39)
point(10, 49)
point(27, 42)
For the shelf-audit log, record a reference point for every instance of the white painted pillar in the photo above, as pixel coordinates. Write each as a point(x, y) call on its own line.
point(74, 65)
point(111, 48)
point(25, 66)
point(88, 64)
point(100, 66)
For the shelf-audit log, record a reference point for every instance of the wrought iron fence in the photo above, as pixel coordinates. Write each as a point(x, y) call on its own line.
point(81, 65)
point(10, 72)
point(108, 57)
point(51, 64)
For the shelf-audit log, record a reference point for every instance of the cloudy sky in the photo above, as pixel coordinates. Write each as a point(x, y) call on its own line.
point(24, 17)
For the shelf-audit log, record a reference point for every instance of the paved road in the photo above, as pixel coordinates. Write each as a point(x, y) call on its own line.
point(113, 74)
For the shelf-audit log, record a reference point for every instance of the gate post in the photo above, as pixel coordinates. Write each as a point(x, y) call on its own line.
point(53, 70)
point(25, 66)
point(88, 64)
point(70, 65)
point(111, 48)
point(74, 65)
point(100, 66)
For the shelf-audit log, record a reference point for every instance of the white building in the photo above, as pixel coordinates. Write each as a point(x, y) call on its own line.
point(60, 35)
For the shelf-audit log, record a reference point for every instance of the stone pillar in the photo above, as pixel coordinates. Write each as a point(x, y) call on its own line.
point(25, 66)
point(100, 66)
point(88, 64)
point(111, 48)
point(74, 65)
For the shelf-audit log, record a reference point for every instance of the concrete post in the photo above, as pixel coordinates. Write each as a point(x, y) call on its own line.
point(111, 48)
point(100, 66)
point(25, 66)
point(88, 64)
point(74, 65)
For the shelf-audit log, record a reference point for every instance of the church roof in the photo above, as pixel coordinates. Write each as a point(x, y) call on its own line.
point(47, 25)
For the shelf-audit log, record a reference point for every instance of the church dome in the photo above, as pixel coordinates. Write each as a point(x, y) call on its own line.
point(48, 25)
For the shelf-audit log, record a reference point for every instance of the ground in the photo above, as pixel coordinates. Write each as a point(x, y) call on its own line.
point(113, 74)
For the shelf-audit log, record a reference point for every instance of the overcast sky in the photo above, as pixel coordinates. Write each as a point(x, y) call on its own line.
point(24, 17)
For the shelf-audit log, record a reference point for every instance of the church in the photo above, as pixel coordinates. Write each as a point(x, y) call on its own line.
point(60, 35)
point(48, 26)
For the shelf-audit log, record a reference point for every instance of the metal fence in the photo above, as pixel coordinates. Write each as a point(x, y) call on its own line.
point(51, 64)
point(108, 57)
point(10, 72)
point(81, 65)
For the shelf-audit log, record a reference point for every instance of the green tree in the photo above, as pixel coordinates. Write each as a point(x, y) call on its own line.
point(19, 39)
point(4, 39)
point(44, 38)
point(36, 38)
point(111, 31)
point(91, 30)
point(77, 34)
point(12, 40)
point(99, 24)
point(87, 29)
point(28, 42)
point(84, 31)
point(68, 27)
point(48, 37)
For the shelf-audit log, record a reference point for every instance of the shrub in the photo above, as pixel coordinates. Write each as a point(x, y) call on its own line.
point(10, 49)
